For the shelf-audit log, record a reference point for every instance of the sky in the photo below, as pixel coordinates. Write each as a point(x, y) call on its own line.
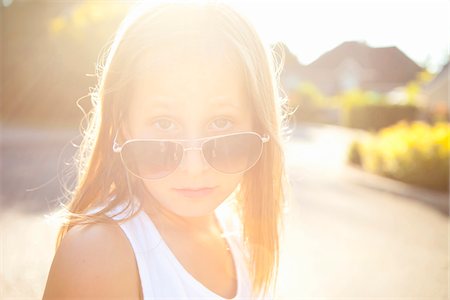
point(421, 29)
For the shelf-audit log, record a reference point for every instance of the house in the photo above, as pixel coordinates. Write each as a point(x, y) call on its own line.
point(436, 93)
point(355, 65)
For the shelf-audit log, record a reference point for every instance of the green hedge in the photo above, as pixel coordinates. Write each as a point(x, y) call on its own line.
point(374, 117)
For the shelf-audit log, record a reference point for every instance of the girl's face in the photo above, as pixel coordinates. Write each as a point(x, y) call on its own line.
point(186, 98)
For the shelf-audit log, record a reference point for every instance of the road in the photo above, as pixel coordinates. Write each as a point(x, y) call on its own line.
point(349, 239)
point(343, 240)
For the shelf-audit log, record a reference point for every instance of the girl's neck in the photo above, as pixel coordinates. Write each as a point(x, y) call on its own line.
point(191, 225)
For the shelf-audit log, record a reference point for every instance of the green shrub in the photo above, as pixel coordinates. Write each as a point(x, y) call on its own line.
point(415, 153)
point(309, 100)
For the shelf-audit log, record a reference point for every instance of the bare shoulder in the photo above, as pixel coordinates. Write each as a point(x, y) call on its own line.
point(94, 260)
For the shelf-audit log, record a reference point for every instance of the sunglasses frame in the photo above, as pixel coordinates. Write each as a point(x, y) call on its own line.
point(117, 148)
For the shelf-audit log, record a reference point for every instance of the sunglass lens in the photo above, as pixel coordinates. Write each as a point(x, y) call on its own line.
point(151, 159)
point(233, 153)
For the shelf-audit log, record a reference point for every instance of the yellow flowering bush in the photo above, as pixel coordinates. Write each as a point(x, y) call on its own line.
point(416, 153)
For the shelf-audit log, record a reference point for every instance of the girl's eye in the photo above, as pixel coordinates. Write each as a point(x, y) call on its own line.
point(222, 124)
point(164, 124)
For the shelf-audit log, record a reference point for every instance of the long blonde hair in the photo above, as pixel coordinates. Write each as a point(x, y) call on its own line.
point(260, 198)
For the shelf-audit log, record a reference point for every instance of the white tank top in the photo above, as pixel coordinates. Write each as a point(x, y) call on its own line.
point(161, 273)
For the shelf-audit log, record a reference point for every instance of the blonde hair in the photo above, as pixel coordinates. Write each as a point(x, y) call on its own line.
point(102, 181)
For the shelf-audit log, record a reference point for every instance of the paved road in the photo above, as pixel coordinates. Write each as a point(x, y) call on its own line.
point(349, 239)
point(35, 163)
point(344, 239)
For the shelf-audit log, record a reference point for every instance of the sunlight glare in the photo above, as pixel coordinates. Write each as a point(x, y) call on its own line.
point(7, 3)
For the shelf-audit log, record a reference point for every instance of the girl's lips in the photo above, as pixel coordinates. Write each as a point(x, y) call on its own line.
point(195, 193)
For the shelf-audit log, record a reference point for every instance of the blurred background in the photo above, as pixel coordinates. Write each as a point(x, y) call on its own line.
point(367, 156)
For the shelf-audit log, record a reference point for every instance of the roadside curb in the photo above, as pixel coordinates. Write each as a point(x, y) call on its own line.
point(437, 199)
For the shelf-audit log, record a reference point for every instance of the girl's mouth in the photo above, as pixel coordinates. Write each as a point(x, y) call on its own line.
point(194, 193)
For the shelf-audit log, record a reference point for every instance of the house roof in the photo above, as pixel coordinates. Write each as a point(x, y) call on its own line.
point(388, 63)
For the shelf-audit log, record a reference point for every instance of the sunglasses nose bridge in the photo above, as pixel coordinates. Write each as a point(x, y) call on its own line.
point(193, 160)
point(192, 148)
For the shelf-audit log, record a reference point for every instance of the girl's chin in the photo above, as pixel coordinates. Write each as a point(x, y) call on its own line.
point(193, 208)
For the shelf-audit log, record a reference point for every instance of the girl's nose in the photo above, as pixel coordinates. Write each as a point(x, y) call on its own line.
point(193, 162)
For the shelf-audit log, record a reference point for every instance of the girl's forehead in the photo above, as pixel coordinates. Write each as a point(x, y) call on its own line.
point(189, 74)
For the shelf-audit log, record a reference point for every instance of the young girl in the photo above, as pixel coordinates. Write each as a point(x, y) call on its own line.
point(181, 183)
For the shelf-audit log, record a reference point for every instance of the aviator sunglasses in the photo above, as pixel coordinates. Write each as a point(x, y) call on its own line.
point(157, 158)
